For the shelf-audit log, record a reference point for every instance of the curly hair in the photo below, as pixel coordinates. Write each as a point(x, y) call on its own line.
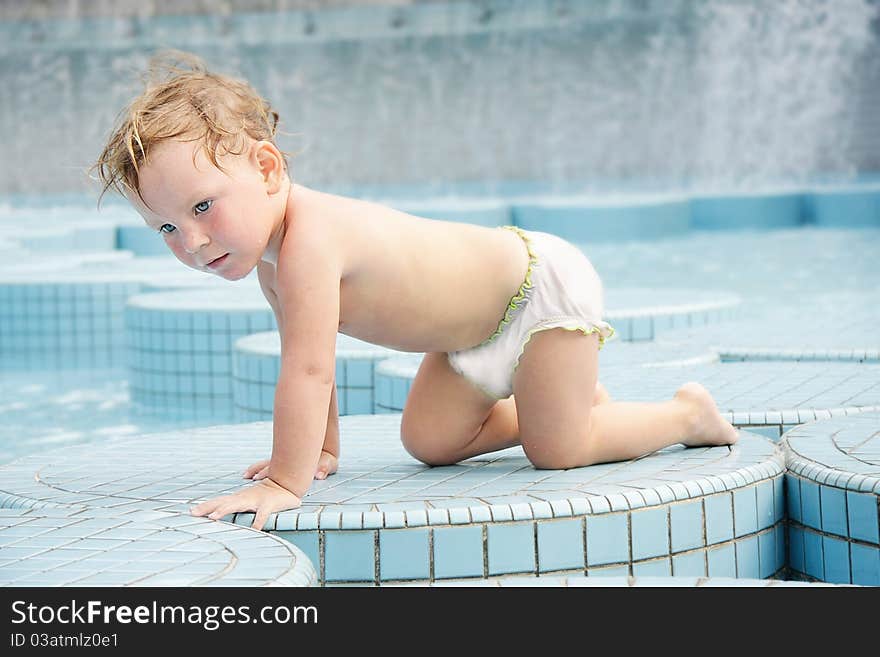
point(182, 100)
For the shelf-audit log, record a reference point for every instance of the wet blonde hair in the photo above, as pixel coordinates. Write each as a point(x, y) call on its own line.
point(183, 100)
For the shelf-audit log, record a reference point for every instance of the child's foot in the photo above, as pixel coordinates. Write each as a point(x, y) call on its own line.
point(707, 427)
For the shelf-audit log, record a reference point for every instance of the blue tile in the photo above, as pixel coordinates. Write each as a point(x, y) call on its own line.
point(349, 556)
point(404, 554)
point(650, 534)
point(747, 566)
point(722, 561)
point(779, 532)
point(511, 548)
point(793, 497)
point(607, 539)
point(686, 521)
point(862, 512)
point(360, 373)
point(458, 552)
point(865, 565)
point(689, 564)
point(560, 545)
point(764, 495)
point(745, 511)
point(658, 568)
point(836, 556)
point(305, 541)
point(767, 544)
point(833, 510)
point(814, 563)
point(719, 518)
point(811, 516)
point(778, 498)
point(796, 549)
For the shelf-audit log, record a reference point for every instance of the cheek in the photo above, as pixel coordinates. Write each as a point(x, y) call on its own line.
point(178, 251)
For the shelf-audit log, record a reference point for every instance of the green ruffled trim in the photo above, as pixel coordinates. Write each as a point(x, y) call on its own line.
point(517, 300)
point(583, 329)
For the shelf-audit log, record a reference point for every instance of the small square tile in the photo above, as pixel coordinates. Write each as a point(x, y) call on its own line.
point(793, 497)
point(833, 505)
point(349, 556)
point(722, 561)
point(607, 539)
point(458, 552)
point(747, 559)
point(650, 533)
point(745, 511)
point(560, 545)
point(719, 518)
point(810, 504)
point(686, 520)
point(862, 515)
point(836, 558)
point(767, 554)
point(796, 558)
point(865, 565)
point(511, 548)
point(404, 554)
point(814, 561)
point(764, 495)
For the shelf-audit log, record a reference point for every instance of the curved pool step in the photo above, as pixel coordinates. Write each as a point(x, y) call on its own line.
point(82, 547)
point(180, 347)
point(833, 497)
point(620, 582)
point(257, 362)
point(385, 517)
point(639, 314)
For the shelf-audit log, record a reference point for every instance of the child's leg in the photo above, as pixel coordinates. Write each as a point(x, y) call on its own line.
point(559, 426)
point(447, 419)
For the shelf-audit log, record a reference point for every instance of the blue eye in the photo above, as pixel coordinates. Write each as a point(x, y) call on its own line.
point(204, 206)
point(167, 228)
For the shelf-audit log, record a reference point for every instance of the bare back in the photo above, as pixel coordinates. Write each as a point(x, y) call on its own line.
point(408, 282)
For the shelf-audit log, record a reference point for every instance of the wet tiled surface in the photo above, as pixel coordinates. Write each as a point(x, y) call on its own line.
point(123, 547)
point(257, 361)
point(386, 517)
point(180, 346)
point(833, 499)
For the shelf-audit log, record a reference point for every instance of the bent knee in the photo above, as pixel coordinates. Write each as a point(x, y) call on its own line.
point(421, 445)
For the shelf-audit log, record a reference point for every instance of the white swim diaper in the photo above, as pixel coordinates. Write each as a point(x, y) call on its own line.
point(561, 290)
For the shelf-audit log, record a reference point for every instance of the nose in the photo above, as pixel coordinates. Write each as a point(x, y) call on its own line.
point(194, 241)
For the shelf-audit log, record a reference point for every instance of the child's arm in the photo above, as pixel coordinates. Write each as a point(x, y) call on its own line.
point(308, 280)
point(329, 459)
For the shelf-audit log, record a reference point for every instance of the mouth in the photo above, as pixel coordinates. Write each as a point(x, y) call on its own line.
point(217, 262)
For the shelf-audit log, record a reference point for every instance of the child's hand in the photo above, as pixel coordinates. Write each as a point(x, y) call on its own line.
point(263, 498)
point(326, 465)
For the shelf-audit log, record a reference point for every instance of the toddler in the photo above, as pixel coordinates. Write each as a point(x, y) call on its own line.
point(510, 320)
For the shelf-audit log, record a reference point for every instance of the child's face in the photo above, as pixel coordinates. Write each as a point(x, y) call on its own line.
point(214, 221)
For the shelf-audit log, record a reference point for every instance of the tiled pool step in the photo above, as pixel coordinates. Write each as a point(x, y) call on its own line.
point(71, 317)
point(848, 334)
point(82, 547)
point(257, 361)
point(180, 347)
point(644, 313)
point(385, 517)
point(833, 498)
point(768, 397)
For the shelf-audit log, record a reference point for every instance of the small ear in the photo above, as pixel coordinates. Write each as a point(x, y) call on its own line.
point(271, 165)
